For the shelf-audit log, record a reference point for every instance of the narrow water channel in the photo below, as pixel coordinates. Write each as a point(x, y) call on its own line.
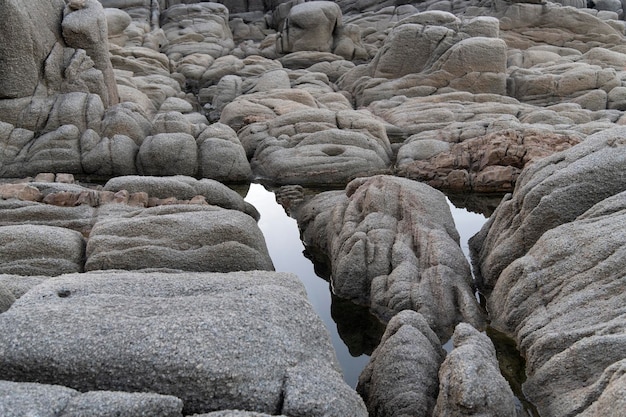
point(286, 250)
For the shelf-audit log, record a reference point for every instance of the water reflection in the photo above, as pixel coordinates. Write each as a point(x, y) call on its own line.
point(286, 250)
point(355, 332)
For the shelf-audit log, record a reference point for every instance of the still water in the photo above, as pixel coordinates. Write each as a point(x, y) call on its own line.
point(286, 250)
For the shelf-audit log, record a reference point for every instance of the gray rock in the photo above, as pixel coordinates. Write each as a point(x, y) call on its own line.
point(28, 36)
point(385, 255)
point(561, 302)
point(205, 31)
point(551, 192)
point(183, 188)
point(218, 341)
point(310, 27)
point(25, 399)
point(6, 298)
point(86, 28)
point(311, 146)
point(611, 401)
point(401, 376)
point(40, 250)
point(221, 156)
point(184, 237)
point(108, 157)
point(432, 51)
point(470, 382)
point(168, 154)
point(18, 285)
point(233, 413)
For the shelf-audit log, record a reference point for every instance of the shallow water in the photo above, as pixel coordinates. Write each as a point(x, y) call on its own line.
point(286, 250)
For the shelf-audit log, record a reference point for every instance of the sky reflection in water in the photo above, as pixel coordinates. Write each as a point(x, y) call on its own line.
point(286, 250)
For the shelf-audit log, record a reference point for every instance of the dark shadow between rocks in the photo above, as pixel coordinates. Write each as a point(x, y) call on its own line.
point(513, 368)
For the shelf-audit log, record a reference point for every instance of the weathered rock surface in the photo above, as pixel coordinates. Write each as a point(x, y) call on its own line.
point(429, 52)
point(462, 95)
point(574, 339)
point(153, 337)
point(393, 253)
point(294, 140)
point(40, 250)
point(25, 398)
point(401, 376)
point(553, 191)
point(470, 382)
point(184, 237)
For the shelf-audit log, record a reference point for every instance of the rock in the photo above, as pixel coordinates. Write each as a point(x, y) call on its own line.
point(6, 298)
point(444, 53)
point(40, 250)
point(561, 83)
point(196, 28)
point(159, 335)
point(183, 188)
point(26, 45)
point(23, 192)
point(553, 191)
point(221, 155)
point(569, 27)
point(168, 154)
point(386, 256)
point(560, 301)
point(232, 413)
point(108, 156)
point(310, 146)
point(401, 376)
point(86, 28)
point(18, 285)
point(490, 163)
point(310, 27)
point(470, 382)
point(188, 238)
point(26, 398)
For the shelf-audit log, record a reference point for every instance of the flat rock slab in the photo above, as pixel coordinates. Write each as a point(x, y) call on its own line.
point(40, 250)
point(183, 237)
point(237, 341)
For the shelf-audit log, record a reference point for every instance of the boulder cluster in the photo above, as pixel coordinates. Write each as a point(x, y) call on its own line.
point(135, 281)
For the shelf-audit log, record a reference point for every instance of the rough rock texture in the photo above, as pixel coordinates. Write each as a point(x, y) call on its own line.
point(185, 237)
point(293, 139)
point(553, 191)
point(40, 250)
point(562, 301)
point(84, 26)
point(6, 298)
point(470, 382)
point(467, 96)
point(25, 46)
point(25, 399)
point(394, 253)
point(153, 337)
point(401, 376)
point(433, 51)
point(182, 188)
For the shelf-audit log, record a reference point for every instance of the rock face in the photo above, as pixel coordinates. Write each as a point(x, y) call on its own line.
point(393, 253)
point(553, 191)
point(25, 398)
point(470, 382)
point(189, 238)
point(401, 377)
point(153, 337)
point(574, 343)
point(40, 250)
